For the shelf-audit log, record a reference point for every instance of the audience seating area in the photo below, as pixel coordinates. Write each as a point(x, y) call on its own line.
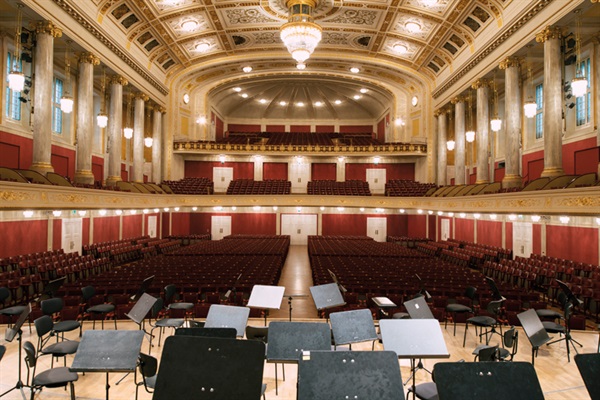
point(345, 188)
point(190, 186)
point(250, 186)
point(407, 188)
point(301, 138)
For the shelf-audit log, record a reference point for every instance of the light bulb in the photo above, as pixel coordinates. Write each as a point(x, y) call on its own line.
point(128, 133)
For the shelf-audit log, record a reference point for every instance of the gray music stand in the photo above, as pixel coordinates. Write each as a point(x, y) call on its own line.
point(287, 341)
point(418, 308)
point(223, 333)
point(9, 336)
point(108, 351)
point(221, 316)
point(229, 369)
point(266, 298)
point(141, 308)
point(534, 329)
point(352, 327)
point(324, 375)
point(487, 380)
point(327, 296)
point(382, 303)
point(414, 339)
point(589, 368)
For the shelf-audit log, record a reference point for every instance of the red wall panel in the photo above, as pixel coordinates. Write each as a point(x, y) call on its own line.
point(273, 170)
point(25, 237)
point(219, 127)
point(243, 128)
point(63, 161)
point(356, 129)
point(254, 223)
point(163, 227)
point(572, 243)
point(300, 128)
point(489, 232)
point(417, 226)
point(180, 224)
point(509, 236)
point(432, 227)
point(322, 171)
point(499, 173)
point(381, 129)
point(536, 232)
point(393, 171)
point(199, 223)
point(98, 169)
point(275, 128)
point(86, 231)
point(24, 151)
point(344, 224)
point(204, 169)
point(325, 128)
point(10, 155)
point(586, 161)
point(106, 229)
point(124, 172)
point(569, 150)
point(464, 230)
point(533, 165)
point(397, 225)
point(132, 225)
point(57, 234)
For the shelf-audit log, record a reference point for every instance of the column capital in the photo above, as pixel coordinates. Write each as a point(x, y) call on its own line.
point(117, 80)
point(158, 108)
point(438, 112)
point(141, 96)
point(163, 110)
point(458, 99)
point(549, 32)
point(480, 83)
point(48, 27)
point(88, 58)
point(510, 62)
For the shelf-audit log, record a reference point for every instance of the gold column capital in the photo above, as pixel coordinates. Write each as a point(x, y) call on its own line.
point(118, 80)
point(480, 83)
point(88, 58)
point(141, 96)
point(47, 27)
point(159, 108)
point(458, 99)
point(549, 32)
point(510, 62)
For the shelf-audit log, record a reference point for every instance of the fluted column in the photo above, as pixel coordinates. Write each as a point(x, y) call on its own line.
point(85, 118)
point(441, 146)
point(138, 137)
point(115, 128)
point(597, 79)
point(483, 130)
point(459, 140)
point(167, 150)
point(46, 31)
point(512, 114)
point(553, 99)
point(157, 144)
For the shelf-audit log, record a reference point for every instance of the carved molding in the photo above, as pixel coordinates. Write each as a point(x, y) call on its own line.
point(49, 28)
point(510, 62)
point(88, 58)
point(117, 80)
point(550, 32)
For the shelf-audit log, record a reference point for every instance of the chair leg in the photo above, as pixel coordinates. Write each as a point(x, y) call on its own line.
point(72, 390)
point(465, 337)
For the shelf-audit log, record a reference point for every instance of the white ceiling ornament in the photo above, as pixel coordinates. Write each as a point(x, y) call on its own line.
point(405, 22)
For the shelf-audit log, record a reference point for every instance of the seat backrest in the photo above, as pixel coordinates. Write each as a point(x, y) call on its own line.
point(88, 292)
point(2, 351)
point(43, 325)
point(511, 340)
point(148, 365)
point(157, 307)
point(257, 333)
point(169, 293)
point(30, 358)
point(4, 294)
point(51, 306)
point(488, 354)
point(470, 292)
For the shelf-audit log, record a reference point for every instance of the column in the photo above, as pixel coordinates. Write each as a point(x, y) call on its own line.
point(459, 139)
point(157, 144)
point(167, 150)
point(115, 127)
point(85, 118)
point(340, 169)
point(138, 137)
point(596, 79)
point(512, 114)
point(553, 99)
point(442, 161)
point(46, 31)
point(259, 163)
point(483, 130)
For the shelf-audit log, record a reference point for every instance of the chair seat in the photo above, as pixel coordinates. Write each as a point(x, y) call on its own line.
point(62, 348)
point(181, 306)
point(426, 391)
point(458, 308)
point(55, 377)
point(544, 313)
point(482, 320)
point(66, 326)
point(502, 352)
point(101, 308)
point(15, 310)
point(400, 315)
point(151, 381)
point(553, 327)
point(169, 323)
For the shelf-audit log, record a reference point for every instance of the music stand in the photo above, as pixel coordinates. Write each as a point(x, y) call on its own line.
point(335, 280)
point(52, 287)
point(414, 339)
point(221, 316)
point(418, 308)
point(233, 290)
point(143, 288)
point(589, 368)
point(223, 333)
point(571, 303)
point(141, 309)
point(487, 380)
point(534, 329)
point(266, 298)
point(291, 297)
point(327, 296)
point(381, 303)
point(352, 327)
point(9, 336)
point(324, 375)
point(287, 341)
point(229, 369)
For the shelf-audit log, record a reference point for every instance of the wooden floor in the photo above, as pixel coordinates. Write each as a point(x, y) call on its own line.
point(559, 378)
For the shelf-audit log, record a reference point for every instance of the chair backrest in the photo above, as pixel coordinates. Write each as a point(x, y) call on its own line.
point(470, 292)
point(30, 358)
point(88, 292)
point(52, 306)
point(43, 325)
point(488, 354)
point(2, 351)
point(157, 307)
point(494, 306)
point(511, 340)
point(148, 365)
point(4, 294)
point(169, 293)
point(257, 333)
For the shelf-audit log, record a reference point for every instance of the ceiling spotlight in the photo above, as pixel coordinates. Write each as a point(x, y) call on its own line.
point(400, 48)
point(318, 103)
point(356, 96)
point(244, 95)
point(299, 104)
point(355, 70)
point(262, 101)
point(82, 213)
point(237, 89)
point(364, 90)
point(402, 211)
point(536, 218)
point(256, 208)
point(338, 102)
point(202, 47)
point(233, 208)
point(493, 217)
point(362, 209)
point(412, 27)
point(247, 69)
point(190, 25)
point(194, 208)
point(323, 209)
point(301, 66)
point(419, 211)
point(282, 103)
point(275, 208)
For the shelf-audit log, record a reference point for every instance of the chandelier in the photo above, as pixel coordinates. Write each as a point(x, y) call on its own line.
point(66, 101)
point(579, 84)
point(16, 78)
point(300, 34)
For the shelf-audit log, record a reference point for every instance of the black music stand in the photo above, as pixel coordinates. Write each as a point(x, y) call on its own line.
point(108, 351)
point(287, 341)
point(414, 339)
point(382, 303)
point(352, 327)
point(534, 329)
point(418, 308)
point(52, 287)
point(223, 333)
point(569, 305)
point(335, 280)
point(266, 298)
point(233, 290)
point(324, 375)
point(229, 369)
point(589, 368)
point(221, 316)
point(141, 309)
point(291, 297)
point(143, 288)
point(9, 336)
point(327, 296)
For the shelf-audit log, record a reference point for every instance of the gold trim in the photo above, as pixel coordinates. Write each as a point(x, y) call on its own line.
point(141, 96)
point(49, 28)
point(480, 83)
point(88, 58)
point(117, 80)
point(510, 62)
point(550, 32)
point(458, 99)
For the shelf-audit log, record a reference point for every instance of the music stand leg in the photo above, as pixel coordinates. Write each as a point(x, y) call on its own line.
point(290, 304)
point(414, 384)
point(19, 385)
point(107, 386)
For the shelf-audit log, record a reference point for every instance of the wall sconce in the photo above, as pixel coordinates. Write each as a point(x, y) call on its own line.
point(256, 208)
point(217, 208)
point(362, 209)
point(57, 213)
point(66, 101)
point(16, 78)
point(462, 215)
point(536, 218)
point(476, 216)
point(82, 213)
point(201, 120)
point(102, 212)
point(132, 212)
point(222, 159)
point(376, 160)
point(512, 217)
point(275, 208)
point(399, 122)
point(450, 144)
point(196, 208)
point(340, 209)
point(156, 210)
point(148, 141)
point(166, 209)
point(102, 118)
point(341, 159)
point(419, 211)
point(298, 209)
point(451, 214)
point(323, 209)
point(440, 213)
point(28, 214)
point(564, 219)
point(402, 211)
point(176, 209)
point(233, 208)
point(430, 212)
point(118, 212)
point(493, 217)
point(146, 211)
point(470, 136)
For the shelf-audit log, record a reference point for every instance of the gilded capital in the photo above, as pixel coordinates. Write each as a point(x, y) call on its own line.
point(159, 108)
point(510, 62)
point(438, 112)
point(550, 32)
point(480, 83)
point(141, 96)
point(117, 80)
point(49, 28)
point(163, 110)
point(457, 99)
point(88, 58)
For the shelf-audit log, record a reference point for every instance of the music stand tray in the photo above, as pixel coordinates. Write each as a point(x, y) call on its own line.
point(52, 287)
point(223, 333)
point(143, 288)
point(327, 296)
point(11, 333)
point(141, 308)
point(418, 308)
point(339, 375)
point(589, 367)
point(534, 329)
point(229, 369)
point(221, 316)
point(352, 326)
point(487, 380)
point(287, 340)
point(266, 297)
point(414, 338)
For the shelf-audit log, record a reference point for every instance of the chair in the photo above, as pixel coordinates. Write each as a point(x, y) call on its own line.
point(54, 306)
point(424, 391)
point(170, 291)
point(457, 308)
point(487, 353)
point(148, 367)
point(161, 323)
point(45, 326)
point(50, 378)
point(510, 340)
point(261, 333)
point(484, 321)
point(99, 309)
point(10, 312)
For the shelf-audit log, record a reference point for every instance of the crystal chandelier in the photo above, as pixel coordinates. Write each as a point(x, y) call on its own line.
point(300, 34)
point(470, 134)
point(102, 118)
point(496, 122)
point(530, 106)
point(579, 84)
point(128, 130)
point(66, 101)
point(16, 78)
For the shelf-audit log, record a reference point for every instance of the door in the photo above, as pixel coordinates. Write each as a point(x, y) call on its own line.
point(445, 234)
point(221, 178)
point(72, 233)
point(377, 229)
point(522, 239)
point(299, 175)
point(152, 226)
point(220, 226)
point(376, 179)
point(299, 227)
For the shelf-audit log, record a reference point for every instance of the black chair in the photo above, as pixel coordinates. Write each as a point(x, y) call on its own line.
point(424, 391)
point(53, 306)
point(170, 292)
point(457, 308)
point(510, 340)
point(45, 326)
point(261, 333)
point(163, 323)
point(106, 310)
point(2, 351)
point(486, 353)
point(486, 323)
point(50, 378)
point(148, 367)
point(10, 312)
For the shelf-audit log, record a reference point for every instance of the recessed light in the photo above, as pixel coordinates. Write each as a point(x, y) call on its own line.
point(247, 69)
point(244, 95)
point(301, 66)
point(190, 25)
point(237, 89)
point(300, 104)
point(318, 103)
point(338, 102)
point(263, 101)
point(282, 103)
point(355, 70)
point(202, 47)
point(412, 27)
point(364, 90)
point(356, 96)
point(400, 48)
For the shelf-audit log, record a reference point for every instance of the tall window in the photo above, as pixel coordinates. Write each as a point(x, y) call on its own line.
point(13, 104)
point(539, 116)
point(56, 111)
point(583, 105)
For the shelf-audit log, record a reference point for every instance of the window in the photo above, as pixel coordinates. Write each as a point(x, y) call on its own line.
point(13, 102)
point(583, 105)
point(539, 115)
point(56, 111)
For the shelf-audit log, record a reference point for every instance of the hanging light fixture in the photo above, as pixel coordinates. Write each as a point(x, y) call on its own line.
point(530, 106)
point(470, 134)
point(102, 118)
point(300, 34)
point(16, 78)
point(579, 83)
point(496, 122)
point(66, 101)
point(128, 130)
point(450, 144)
point(148, 141)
